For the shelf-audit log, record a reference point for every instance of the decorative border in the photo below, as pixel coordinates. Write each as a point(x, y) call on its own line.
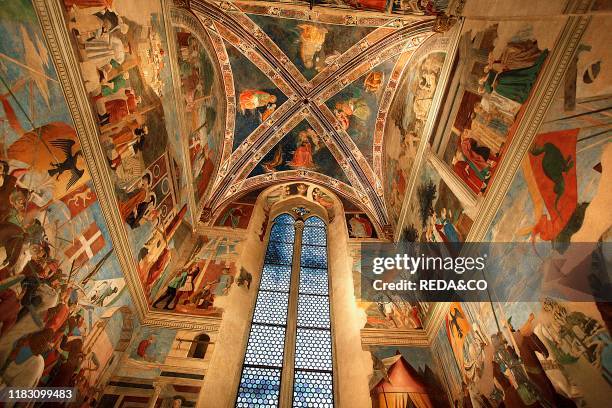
point(181, 18)
point(556, 67)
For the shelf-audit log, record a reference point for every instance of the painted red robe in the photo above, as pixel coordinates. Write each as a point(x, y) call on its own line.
point(118, 109)
point(302, 156)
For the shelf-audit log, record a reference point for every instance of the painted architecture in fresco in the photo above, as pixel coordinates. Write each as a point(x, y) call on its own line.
point(191, 285)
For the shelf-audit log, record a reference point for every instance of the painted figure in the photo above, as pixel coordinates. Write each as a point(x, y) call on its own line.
point(311, 42)
point(253, 99)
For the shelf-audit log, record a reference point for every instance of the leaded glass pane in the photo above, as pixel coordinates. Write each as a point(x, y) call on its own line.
point(266, 344)
point(279, 253)
point(313, 390)
point(314, 256)
point(313, 311)
point(259, 387)
point(284, 219)
point(313, 349)
point(314, 236)
point(271, 308)
point(275, 277)
point(282, 232)
point(313, 281)
point(316, 221)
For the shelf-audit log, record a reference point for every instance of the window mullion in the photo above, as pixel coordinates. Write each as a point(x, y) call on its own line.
point(288, 373)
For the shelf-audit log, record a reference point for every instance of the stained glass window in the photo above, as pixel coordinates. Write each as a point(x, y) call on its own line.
point(263, 361)
point(313, 345)
point(260, 383)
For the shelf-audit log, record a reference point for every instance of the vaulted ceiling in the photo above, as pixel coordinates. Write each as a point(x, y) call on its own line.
point(307, 95)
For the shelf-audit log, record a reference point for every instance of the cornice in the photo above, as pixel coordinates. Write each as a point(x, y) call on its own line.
point(548, 82)
point(390, 337)
point(323, 14)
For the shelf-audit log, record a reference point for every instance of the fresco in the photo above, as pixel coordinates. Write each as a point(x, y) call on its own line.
point(147, 353)
point(301, 148)
point(203, 95)
point(191, 284)
point(356, 106)
point(497, 73)
point(404, 126)
point(309, 45)
point(558, 196)
point(257, 96)
point(563, 349)
point(359, 225)
point(434, 212)
point(235, 215)
point(406, 375)
point(60, 326)
point(558, 192)
point(126, 71)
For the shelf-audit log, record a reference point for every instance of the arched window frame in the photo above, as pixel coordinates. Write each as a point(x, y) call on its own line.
point(287, 378)
point(197, 343)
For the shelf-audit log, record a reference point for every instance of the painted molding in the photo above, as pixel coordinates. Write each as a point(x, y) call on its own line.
point(389, 337)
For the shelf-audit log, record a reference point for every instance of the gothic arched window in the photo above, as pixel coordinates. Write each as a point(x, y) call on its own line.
point(288, 359)
point(199, 345)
